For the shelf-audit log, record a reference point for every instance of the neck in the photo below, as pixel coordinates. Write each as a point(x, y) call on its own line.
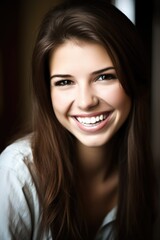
point(97, 182)
point(93, 161)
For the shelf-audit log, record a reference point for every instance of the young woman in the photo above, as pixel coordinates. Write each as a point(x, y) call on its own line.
point(86, 171)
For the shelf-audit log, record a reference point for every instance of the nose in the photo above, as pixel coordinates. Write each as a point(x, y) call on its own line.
point(86, 99)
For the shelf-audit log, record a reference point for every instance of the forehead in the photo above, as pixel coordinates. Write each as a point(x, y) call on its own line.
point(79, 55)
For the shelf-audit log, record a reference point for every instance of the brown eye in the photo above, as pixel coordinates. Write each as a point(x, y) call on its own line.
point(64, 82)
point(108, 76)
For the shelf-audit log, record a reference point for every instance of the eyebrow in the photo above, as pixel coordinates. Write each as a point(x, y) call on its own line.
point(93, 73)
point(102, 70)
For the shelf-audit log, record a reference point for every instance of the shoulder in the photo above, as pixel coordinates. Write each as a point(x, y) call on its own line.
point(19, 201)
point(17, 150)
point(16, 162)
point(17, 155)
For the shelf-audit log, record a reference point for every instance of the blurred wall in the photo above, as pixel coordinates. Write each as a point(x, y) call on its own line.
point(156, 81)
point(19, 21)
point(156, 98)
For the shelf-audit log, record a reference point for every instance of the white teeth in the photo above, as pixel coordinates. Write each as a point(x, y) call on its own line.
point(97, 118)
point(101, 117)
point(91, 120)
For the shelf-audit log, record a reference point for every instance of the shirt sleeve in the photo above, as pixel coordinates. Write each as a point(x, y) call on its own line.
point(15, 215)
point(20, 211)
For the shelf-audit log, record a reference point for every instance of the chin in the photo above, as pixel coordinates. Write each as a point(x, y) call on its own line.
point(94, 143)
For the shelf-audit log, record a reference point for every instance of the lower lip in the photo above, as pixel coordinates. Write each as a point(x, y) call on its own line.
point(94, 128)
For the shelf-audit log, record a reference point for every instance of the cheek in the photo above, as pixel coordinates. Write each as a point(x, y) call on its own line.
point(116, 97)
point(60, 102)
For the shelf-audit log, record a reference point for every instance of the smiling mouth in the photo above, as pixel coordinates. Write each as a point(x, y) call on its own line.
point(92, 121)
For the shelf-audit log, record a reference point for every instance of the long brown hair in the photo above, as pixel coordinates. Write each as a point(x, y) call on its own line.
point(53, 146)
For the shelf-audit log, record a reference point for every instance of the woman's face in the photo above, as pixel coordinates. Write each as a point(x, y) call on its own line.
point(87, 98)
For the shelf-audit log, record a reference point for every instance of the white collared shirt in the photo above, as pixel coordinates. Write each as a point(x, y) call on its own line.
point(20, 210)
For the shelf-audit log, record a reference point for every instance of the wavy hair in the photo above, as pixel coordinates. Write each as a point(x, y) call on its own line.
point(53, 146)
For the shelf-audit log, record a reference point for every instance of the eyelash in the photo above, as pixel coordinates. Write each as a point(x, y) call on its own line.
point(66, 82)
point(108, 76)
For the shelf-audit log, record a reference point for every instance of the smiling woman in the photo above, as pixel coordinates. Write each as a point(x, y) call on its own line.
point(87, 98)
point(85, 171)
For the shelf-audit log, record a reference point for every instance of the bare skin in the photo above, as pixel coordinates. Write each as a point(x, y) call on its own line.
point(99, 185)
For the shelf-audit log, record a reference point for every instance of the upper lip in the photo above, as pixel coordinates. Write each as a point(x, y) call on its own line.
point(91, 114)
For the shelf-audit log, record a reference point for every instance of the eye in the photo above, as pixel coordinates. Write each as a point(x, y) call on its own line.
point(64, 82)
point(108, 76)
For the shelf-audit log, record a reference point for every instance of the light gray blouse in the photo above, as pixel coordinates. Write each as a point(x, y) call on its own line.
point(20, 210)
